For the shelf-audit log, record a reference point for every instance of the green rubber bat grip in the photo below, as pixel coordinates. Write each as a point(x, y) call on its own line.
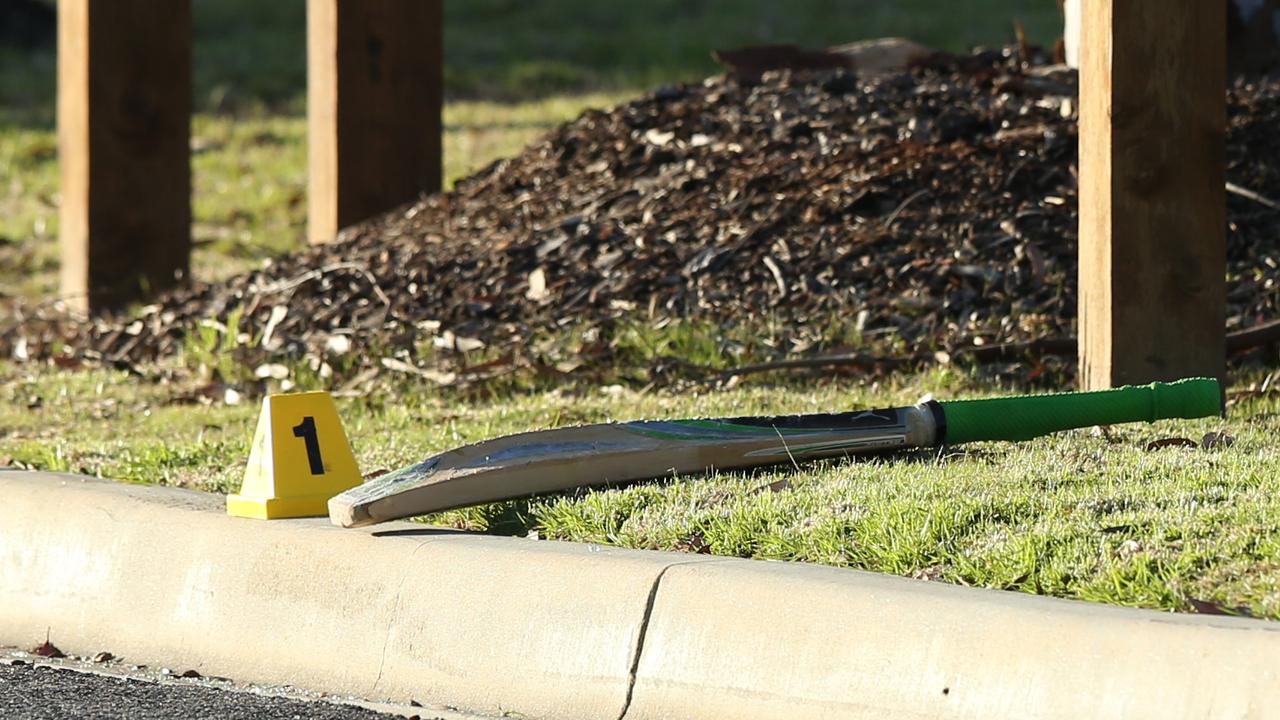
point(1030, 416)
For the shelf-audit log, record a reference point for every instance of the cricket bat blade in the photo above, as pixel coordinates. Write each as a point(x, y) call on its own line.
point(547, 461)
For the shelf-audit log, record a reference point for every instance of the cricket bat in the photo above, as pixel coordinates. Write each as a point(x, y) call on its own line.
point(565, 458)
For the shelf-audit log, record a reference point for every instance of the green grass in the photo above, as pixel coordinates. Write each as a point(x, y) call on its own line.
point(1078, 515)
point(251, 54)
point(513, 48)
point(513, 70)
point(249, 182)
point(28, 210)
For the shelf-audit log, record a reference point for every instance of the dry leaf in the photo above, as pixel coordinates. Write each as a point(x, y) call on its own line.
point(275, 371)
point(696, 542)
point(654, 136)
point(932, 573)
point(1206, 607)
point(1129, 548)
point(337, 344)
point(67, 362)
point(773, 487)
point(440, 378)
point(537, 285)
point(278, 314)
point(1215, 440)
point(47, 649)
point(497, 363)
point(1172, 442)
point(447, 340)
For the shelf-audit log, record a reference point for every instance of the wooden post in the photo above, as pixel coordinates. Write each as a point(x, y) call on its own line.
point(374, 95)
point(124, 118)
point(1152, 203)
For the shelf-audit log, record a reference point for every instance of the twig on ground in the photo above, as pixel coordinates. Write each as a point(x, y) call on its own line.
point(1252, 337)
point(1245, 192)
point(816, 362)
point(306, 277)
point(1256, 336)
point(893, 217)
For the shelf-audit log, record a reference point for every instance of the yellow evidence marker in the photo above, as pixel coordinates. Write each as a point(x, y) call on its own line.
point(300, 459)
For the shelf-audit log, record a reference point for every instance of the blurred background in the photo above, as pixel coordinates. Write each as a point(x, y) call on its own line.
point(513, 70)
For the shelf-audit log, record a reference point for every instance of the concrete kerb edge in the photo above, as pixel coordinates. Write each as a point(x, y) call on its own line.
point(563, 630)
point(399, 612)
point(788, 640)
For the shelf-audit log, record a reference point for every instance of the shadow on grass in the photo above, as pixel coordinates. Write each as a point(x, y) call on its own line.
point(520, 517)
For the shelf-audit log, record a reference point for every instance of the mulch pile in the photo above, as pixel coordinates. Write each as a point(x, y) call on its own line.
point(928, 210)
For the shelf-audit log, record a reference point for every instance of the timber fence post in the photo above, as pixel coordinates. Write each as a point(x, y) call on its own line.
point(124, 119)
point(374, 97)
point(1152, 200)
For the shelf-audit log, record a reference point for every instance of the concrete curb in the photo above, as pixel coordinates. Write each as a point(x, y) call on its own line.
point(560, 630)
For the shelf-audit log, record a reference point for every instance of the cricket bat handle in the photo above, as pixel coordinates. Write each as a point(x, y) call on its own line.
point(1030, 416)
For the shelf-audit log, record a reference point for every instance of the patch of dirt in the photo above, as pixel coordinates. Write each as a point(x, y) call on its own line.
point(928, 210)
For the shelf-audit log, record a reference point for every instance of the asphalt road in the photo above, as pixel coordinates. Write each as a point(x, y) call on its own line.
point(33, 689)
